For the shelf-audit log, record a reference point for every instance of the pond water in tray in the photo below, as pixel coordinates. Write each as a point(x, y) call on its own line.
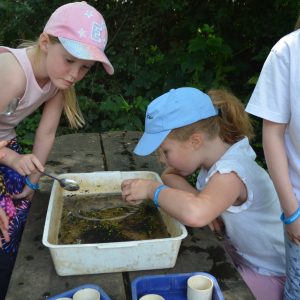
point(104, 218)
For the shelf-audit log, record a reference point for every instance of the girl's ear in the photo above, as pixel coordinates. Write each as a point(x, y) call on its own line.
point(44, 42)
point(196, 140)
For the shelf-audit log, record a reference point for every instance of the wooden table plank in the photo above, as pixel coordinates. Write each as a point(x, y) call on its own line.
point(118, 148)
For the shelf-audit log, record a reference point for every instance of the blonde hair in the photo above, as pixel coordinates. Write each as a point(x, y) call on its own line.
point(232, 124)
point(71, 107)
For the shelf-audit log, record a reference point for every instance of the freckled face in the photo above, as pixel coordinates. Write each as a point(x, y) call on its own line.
point(64, 70)
point(179, 155)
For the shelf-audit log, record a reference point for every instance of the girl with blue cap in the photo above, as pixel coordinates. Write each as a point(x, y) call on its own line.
point(209, 132)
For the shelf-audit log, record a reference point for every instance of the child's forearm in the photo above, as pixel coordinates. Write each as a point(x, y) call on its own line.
point(8, 156)
point(171, 178)
point(41, 149)
point(276, 158)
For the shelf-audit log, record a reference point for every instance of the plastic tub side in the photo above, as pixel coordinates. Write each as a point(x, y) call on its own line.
point(105, 257)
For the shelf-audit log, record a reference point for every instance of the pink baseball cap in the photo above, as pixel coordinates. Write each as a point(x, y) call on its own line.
point(82, 31)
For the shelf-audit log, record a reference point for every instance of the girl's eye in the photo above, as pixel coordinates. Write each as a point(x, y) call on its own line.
point(69, 60)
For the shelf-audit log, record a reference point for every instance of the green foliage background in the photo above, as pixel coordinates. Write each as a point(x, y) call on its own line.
point(156, 45)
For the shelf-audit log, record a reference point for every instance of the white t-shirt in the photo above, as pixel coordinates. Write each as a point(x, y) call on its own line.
point(276, 97)
point(253, 228)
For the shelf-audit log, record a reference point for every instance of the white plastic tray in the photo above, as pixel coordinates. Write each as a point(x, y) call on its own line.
point(108, 257)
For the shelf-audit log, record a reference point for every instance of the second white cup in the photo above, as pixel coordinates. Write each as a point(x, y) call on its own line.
point(199, 287)
point(87, 294)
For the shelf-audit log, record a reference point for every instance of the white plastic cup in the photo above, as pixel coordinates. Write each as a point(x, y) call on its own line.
point(152, 297)
point(199, 287)
point(87, 294)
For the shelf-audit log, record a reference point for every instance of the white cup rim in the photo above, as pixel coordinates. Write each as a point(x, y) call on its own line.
point(146, 296)
point(82, 293)
point(192, 278)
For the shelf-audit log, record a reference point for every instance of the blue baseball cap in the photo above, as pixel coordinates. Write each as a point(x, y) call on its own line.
point(174, 109)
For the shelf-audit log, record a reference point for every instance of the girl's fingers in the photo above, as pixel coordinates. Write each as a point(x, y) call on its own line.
point(3, 219)
point(211, 227)
point(4, 225)
point(3, 144)
point(37, 164)
point(5, 235)
point(125, 183)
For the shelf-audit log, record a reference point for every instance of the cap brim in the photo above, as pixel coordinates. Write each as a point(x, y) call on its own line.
point(88, 52)
point(149, 142)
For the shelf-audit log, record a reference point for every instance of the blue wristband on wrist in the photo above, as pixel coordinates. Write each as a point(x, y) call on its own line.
point(33, 186)
point(156, 194)
point(292, 218)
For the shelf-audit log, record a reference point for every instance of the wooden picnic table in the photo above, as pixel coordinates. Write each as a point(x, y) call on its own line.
point(34, 276)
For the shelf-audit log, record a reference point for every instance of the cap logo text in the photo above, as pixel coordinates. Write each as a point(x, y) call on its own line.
point(96, 32)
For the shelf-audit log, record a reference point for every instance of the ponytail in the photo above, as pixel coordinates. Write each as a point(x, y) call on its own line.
point(231, 125)
point(234, 122)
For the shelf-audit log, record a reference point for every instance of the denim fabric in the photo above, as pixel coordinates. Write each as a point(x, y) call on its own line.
point(292, 285)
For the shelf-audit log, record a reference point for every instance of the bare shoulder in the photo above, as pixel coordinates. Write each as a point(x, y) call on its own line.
point(12, 77)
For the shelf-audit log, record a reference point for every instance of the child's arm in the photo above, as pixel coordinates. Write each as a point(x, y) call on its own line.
point(222, 191)
point(4, 226)
point(12, 79)
point(172, 178)
point(45, 136)
point(12, 85)
point(276, 158)
point(23, 164)
point(3, 217)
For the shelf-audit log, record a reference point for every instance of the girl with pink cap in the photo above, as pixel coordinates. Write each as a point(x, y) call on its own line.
point(36, 74)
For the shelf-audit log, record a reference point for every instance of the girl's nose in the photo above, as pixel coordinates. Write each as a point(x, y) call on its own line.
point(74, 73)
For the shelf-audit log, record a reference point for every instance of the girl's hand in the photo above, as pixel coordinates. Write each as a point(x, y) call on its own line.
point(4, 226)
point(293, 231)
point(136, 190)
point(27, 164)
point(26, 193)
point(217, 227)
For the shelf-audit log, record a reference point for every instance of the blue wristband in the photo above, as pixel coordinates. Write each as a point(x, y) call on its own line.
point(292, 218)
point(33, 186)
point(156, 194)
